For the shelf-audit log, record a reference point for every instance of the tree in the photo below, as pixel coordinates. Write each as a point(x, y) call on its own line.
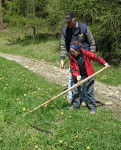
point(28, 14)
point(1, 18)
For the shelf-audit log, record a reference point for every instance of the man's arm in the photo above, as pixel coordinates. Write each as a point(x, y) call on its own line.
point(63, 51)
point(91, 41)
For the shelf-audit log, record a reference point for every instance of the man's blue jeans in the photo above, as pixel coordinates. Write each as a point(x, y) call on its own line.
point(84, 89)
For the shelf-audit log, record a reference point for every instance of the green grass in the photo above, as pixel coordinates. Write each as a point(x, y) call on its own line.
point(22, 90)
point(48, 48)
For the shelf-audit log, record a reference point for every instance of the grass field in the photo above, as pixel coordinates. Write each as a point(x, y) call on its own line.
point(22, 90)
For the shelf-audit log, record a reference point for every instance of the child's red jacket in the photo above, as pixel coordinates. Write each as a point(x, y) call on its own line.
point(87, 56)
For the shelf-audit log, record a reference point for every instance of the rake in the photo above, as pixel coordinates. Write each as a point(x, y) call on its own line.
point(74, 86)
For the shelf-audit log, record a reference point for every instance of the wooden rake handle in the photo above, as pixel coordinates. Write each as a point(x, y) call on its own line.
point(74, 86)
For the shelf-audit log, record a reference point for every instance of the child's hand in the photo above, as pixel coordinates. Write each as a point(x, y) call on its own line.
point(106, 64)
point(78, 78)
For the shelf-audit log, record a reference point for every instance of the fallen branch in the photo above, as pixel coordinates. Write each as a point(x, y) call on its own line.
point(42, 130)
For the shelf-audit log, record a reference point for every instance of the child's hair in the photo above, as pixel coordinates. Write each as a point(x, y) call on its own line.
point(77, 42)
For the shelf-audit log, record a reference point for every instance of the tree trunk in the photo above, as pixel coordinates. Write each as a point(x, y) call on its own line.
point(1, 18)
point(34, 33)
point(31, 10)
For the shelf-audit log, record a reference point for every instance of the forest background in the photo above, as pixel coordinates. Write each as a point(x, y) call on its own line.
point(37, 18)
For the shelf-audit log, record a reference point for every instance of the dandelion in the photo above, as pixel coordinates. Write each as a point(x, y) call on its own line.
point(46, 105)
point(69, 116)
point(36, 146)
point(79, 142)
point(34, 92)
point(25, 135)
point(61, 113)
point(19, 102)
point(24, 94)
point(88, 147)
point(17, 99)
point(24, 109)
point(60, 141)
point(76, 136)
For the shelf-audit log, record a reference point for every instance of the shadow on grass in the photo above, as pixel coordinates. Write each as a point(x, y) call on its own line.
point(28, 39)
point(98, 103)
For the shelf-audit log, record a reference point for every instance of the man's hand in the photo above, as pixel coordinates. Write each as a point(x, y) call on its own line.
point(62, 64)
point(78, 78)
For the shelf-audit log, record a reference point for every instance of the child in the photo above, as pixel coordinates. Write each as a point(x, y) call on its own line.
point(81, 68)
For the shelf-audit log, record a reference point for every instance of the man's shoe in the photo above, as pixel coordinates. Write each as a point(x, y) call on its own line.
point(92, 112)
point(69, 101)
point(71, 108)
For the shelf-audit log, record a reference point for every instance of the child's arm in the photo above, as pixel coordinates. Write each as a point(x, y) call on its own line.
point(94, 57)
point(74, 68)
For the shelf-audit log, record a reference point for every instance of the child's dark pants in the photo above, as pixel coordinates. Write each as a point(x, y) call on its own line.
point(90, 94)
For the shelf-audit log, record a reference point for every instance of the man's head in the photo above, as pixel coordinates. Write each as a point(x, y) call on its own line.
point(70, 19)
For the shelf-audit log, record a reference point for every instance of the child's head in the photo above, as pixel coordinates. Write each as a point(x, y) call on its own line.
point(75, 48)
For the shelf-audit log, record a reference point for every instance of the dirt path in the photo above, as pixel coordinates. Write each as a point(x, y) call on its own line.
point(105, 95)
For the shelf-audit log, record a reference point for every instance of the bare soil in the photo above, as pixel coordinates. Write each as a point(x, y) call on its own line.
point(106, 96)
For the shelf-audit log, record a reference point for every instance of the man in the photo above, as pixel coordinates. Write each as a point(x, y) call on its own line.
point(77, 31)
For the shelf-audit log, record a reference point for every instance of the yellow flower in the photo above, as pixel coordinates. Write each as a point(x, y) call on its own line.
point(4, 88)
point(25, 135)
point(36, 146)
point(17, 99)
point(76, 136)
point(104, 132)
point(0, 139)
point(69, 116)
point(79, 142)
point(46, 105)
point(60, 141)
point(61, 113)
point(19, 102)
point(24, 94)
point(88, 147)
point(24, 109)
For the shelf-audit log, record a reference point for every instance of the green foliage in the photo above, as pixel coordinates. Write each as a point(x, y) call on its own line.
point(21, 91)
point(103, 18)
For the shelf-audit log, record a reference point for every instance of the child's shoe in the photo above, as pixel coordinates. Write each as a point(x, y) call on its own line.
point(92, 112)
